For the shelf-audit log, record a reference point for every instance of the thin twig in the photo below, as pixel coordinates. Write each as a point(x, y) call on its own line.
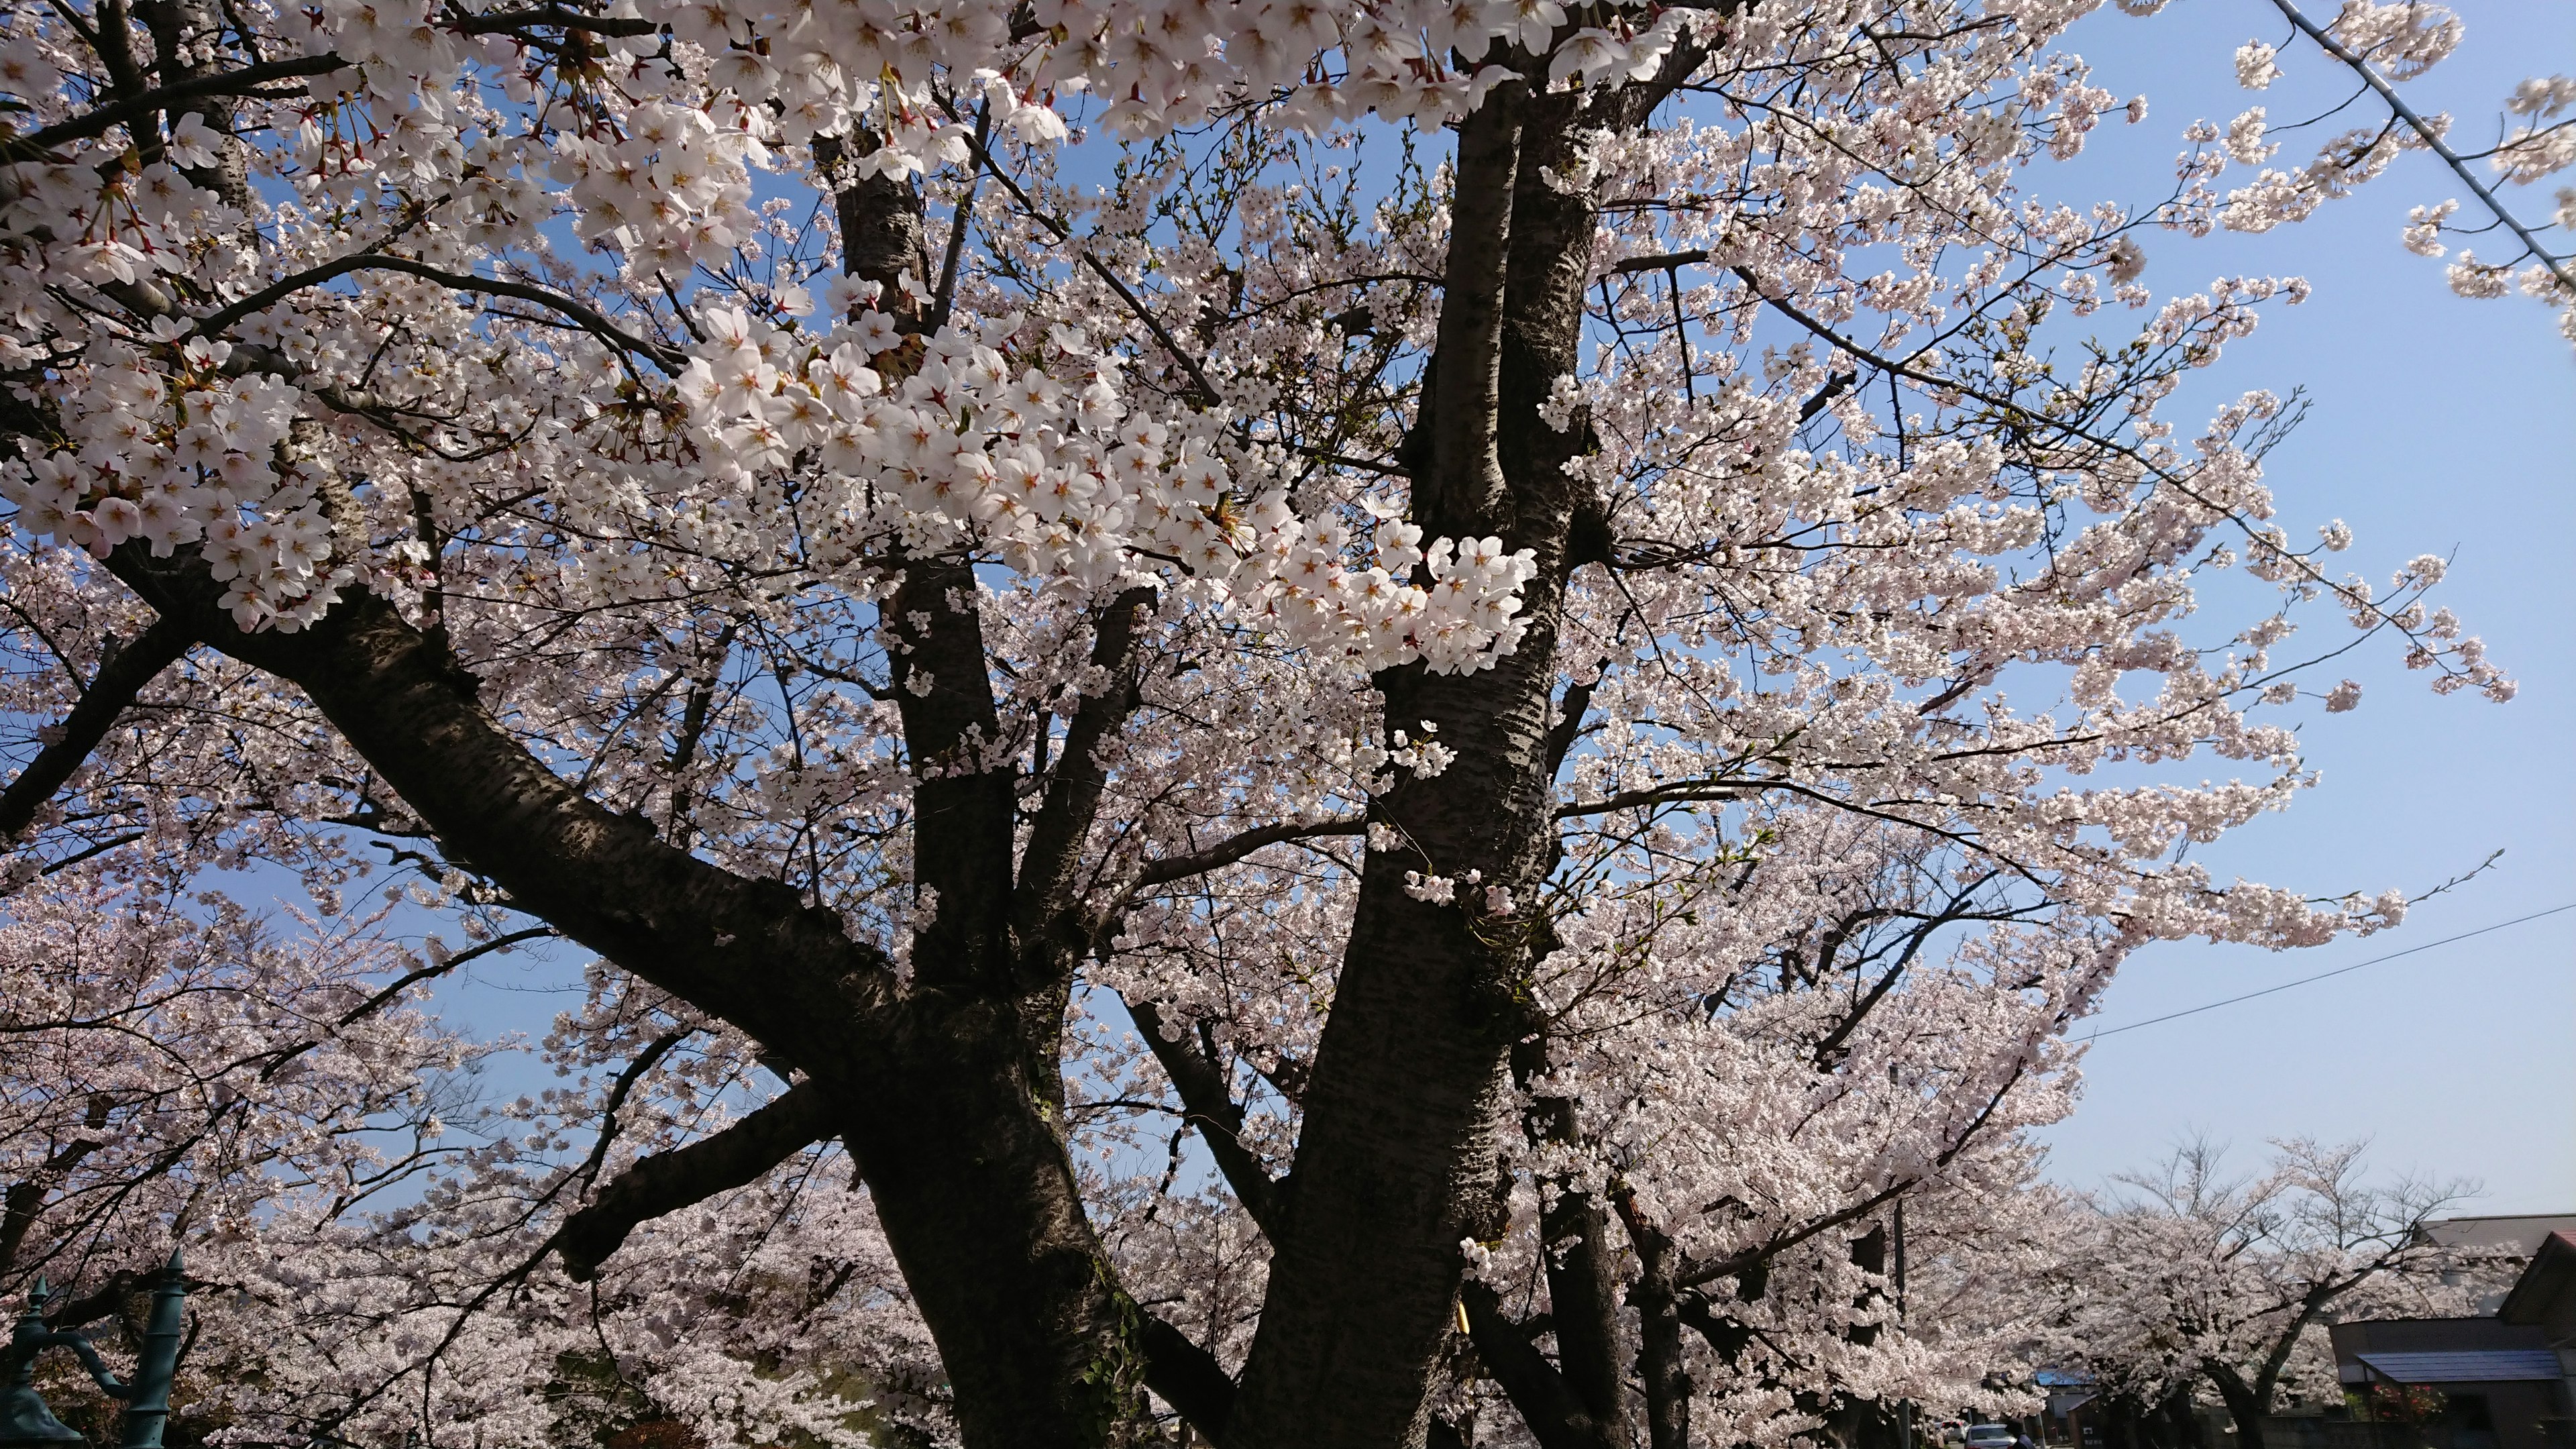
point(2558, 266)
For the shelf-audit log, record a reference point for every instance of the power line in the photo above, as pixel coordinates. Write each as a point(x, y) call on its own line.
point(2338, 971)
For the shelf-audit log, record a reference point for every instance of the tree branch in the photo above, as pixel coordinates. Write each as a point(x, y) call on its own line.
point(122, 675)
point(2425, 131)
point(1203, 391)
point(245, 81)
point(1046, 896)
point(582, 315)
point(1545, 1402)
point(669, 1181)
point(1187, 1377)
point(1209, 1101)
point(696, 930)
point(1226, 852)
point(498, 21)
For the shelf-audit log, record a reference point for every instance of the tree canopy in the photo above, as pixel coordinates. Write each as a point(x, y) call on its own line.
point(1358, 724)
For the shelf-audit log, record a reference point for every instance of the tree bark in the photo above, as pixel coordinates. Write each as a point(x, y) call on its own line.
point(944, 1094)
point(2245, 1407)
point(1659, 1340)
point(1396, 1160)
point(1396, 1157)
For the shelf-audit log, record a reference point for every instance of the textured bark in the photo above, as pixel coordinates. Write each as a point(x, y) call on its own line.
point(1659, 1339)
point(881, 228)
point(1396, 1160)
point(1583, 1308)
point(943, 1093)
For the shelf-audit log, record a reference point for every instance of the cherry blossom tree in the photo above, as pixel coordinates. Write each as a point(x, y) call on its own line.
point(181, 1073)
point(1542, 642)
point(2194, 1280)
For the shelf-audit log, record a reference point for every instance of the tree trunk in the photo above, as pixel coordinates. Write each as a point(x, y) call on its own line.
point(1396, 1160)
point(2245, 1407)
point(949, 1098)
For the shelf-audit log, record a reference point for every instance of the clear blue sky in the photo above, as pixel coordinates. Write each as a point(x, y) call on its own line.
point(2440, 425)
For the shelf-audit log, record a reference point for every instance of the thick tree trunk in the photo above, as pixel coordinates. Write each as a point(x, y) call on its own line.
point(2245, 1406)
point(1396, 1159)
point(1659, 1340)
point(979, 1202)
point(947, 1100)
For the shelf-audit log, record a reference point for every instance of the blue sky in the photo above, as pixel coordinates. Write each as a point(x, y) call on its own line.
point(2440, 425)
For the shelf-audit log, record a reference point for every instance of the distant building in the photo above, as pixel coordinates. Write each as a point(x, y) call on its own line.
point(2522, 1233)
point(2545, 1298)
point(2501, 1382)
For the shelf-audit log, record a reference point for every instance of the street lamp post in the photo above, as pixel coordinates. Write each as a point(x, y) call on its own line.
point(25, 1422)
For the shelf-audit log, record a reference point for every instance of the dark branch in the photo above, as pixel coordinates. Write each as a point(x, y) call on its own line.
point(1187, 1377)
point(669, 1181)
point(502, 21)
point(1208, 1099)
point(1545, 1402)
point(1198, 862)
point(122, 675)
point(580, 313)
point(245, 81)
point(1661, 262)
point(1047, 892)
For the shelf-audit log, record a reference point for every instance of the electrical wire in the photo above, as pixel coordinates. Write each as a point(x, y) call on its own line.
point(2322, 975)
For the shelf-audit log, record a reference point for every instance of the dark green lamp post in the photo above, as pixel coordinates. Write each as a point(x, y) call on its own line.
point(25, 1422)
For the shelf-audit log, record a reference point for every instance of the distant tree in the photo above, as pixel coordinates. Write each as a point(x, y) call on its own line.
point(2192, 1277)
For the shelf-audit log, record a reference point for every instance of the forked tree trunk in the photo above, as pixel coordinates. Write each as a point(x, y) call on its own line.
point(1396, 1160)
point(950, 1094)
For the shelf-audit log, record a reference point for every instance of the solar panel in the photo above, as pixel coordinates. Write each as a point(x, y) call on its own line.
point(2514, 1365)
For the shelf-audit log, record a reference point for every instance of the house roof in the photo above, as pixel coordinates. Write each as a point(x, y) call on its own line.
point(2521, 1231)
point(2501, 1365)
point(2545, 1283)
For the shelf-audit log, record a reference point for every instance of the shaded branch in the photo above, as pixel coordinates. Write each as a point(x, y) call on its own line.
point(1046, 893)
point(1187, 1377)
point(580, 313)
point(669, 1181)
point(245, 81)
point(498, 21)
point(1198, 862)
point(1545, 1402)
point(122, 675)
point(1208, 1100)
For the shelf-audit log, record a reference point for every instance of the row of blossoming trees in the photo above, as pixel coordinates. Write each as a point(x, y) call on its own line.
point(1383, 777)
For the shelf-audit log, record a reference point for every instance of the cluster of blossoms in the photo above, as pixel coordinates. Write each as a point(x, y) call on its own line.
point(2384, 45)
point(1059, 479)
point(178, 457)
